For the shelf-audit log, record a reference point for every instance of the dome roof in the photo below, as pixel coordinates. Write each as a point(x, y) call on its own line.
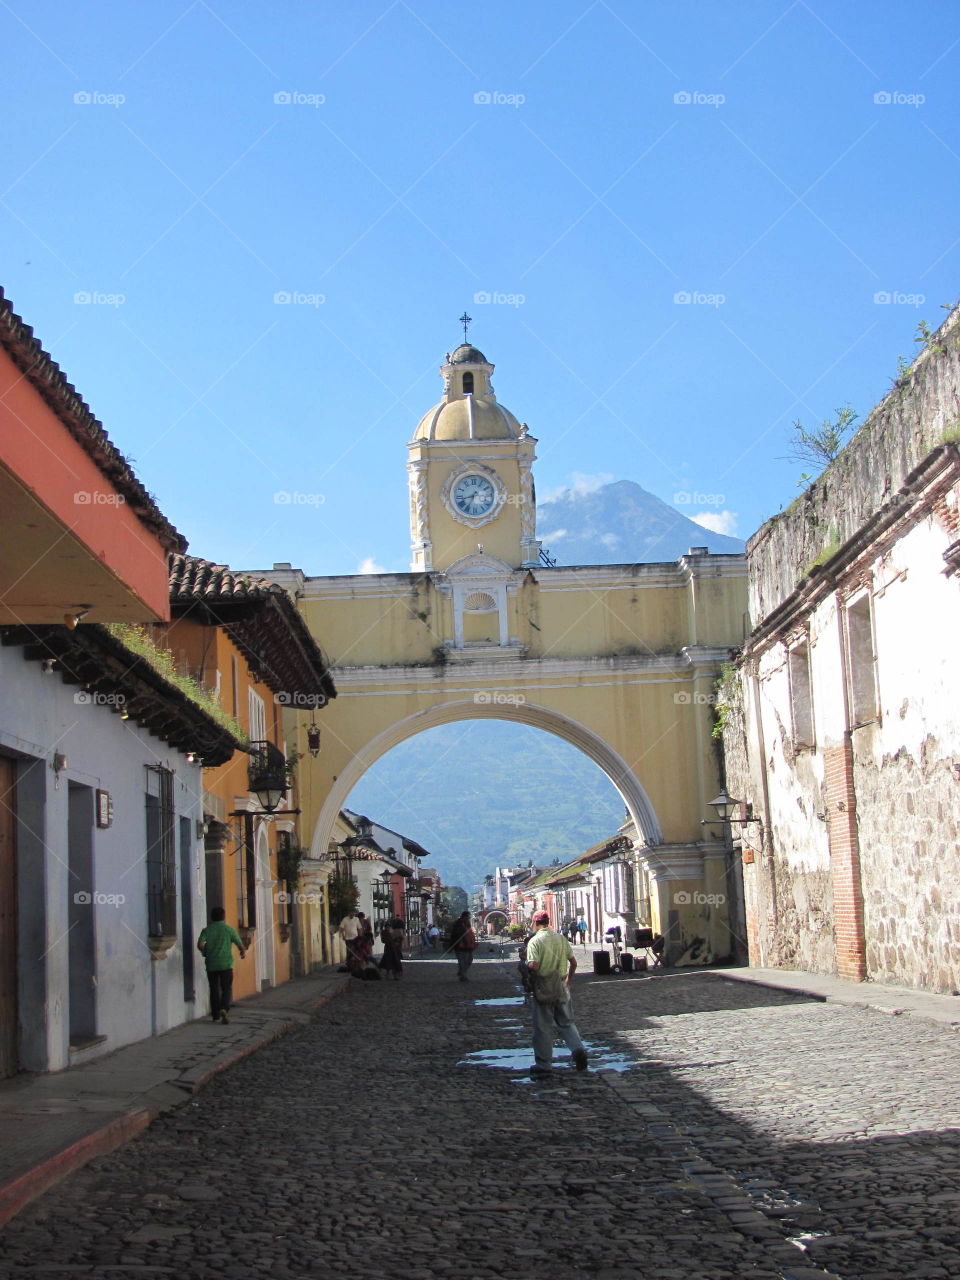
point(468, 418)
point(465, 354)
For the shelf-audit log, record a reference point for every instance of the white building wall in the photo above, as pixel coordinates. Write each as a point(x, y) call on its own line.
point(135, 995)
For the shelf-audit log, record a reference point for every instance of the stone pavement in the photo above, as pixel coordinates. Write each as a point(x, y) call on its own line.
point(53, 1124)
point(725, 1131)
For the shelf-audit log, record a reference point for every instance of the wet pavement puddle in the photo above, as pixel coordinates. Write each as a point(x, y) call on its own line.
point(520, 1058)
point(499, 1000)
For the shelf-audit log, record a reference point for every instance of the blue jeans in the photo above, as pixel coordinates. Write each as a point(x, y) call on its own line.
point(549, 1022)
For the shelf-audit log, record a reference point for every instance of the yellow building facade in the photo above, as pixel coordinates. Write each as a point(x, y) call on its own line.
point(620, 660)
point(244, 641)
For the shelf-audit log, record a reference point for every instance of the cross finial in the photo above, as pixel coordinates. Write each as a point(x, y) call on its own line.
point(465, 320)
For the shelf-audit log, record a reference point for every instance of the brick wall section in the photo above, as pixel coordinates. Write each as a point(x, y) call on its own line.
point(845, 861)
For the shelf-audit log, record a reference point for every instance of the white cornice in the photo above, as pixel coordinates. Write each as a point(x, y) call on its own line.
point(677, 861)
point(654, 668)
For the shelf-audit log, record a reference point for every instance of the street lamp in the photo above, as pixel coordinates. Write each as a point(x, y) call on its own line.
point(726, 807)
point(270, 796)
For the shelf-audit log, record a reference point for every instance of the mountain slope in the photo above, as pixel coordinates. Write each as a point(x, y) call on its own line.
point(483, 793)
point(621, 523)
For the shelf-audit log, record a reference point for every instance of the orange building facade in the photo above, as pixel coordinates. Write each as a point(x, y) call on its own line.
point(244, 640)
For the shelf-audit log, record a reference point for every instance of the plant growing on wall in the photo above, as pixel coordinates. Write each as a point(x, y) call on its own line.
point(342, 895)
point(288, 863)
point(136, 639)
point(820, 445)
point(724, 691)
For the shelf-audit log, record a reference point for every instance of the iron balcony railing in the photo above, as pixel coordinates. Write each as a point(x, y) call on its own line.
point(267, 769)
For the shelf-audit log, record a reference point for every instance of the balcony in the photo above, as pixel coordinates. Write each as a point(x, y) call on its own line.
point(267, 774)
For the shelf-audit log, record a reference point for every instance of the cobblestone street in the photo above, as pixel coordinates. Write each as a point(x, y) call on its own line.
point(723, 1131)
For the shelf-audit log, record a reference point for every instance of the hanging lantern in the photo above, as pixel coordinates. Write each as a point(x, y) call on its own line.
point(313, 740)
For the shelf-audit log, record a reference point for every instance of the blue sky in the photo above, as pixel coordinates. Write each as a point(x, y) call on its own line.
point(579, 164)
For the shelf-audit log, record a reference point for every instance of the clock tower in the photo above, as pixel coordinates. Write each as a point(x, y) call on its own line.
point(471, 482)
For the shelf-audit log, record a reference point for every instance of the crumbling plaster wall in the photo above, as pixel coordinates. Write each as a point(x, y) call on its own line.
point(787, 889)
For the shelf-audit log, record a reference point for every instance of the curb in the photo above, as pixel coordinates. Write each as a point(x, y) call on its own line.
point(945, 1019)
point(17, 1192)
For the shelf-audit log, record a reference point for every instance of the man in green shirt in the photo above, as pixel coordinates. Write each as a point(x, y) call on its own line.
point(552, 965)
point(216, 942)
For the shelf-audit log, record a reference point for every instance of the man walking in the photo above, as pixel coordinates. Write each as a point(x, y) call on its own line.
point(464, 942)
point(552, 964)
point(216, 942)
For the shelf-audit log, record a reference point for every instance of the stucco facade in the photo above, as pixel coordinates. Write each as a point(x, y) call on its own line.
point(90, 976)
point(843, 731)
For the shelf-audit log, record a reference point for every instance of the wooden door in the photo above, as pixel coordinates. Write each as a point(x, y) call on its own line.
point(9, 1062)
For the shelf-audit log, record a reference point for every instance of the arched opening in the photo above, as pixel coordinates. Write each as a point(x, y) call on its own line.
point(511, 708)
point(468, 384)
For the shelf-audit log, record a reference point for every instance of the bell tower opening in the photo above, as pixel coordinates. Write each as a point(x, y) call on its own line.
point(468, 384)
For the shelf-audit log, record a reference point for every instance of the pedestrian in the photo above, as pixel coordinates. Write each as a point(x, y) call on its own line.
point(433, 936)
point(216, 943)
point(392, 936)
point(464, 942)
point(552, 964)
point(349, 931)
point(362, 966)
point(582, 930)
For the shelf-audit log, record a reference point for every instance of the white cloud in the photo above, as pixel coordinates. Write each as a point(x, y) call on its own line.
point(369, 565)
point(717, 521)
point(554, 536)
point(610, 540)
point(580, 484)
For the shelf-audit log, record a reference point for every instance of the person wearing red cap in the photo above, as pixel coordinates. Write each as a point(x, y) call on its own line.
point(552, 965)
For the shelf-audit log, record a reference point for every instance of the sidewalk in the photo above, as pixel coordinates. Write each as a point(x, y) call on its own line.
point(53, 1124)
point(868, 995)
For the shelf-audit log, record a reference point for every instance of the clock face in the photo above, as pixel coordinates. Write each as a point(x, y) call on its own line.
point(474, 495)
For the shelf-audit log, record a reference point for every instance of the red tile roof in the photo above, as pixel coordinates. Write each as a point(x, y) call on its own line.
point(45, 375)
point(262, 620)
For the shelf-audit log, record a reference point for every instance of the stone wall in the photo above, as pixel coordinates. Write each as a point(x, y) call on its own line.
point(918, 414)
point(910, 860)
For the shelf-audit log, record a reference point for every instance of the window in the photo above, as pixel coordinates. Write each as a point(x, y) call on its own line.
point(801, 696)
point(235, 684)
point(257, 724)
point(286, 885)
point(861, 663)
point(161, 855)
point(468, 384)
point(247, 875)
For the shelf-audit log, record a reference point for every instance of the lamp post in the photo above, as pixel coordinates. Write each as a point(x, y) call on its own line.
point(386, 896)
point(726, 807)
